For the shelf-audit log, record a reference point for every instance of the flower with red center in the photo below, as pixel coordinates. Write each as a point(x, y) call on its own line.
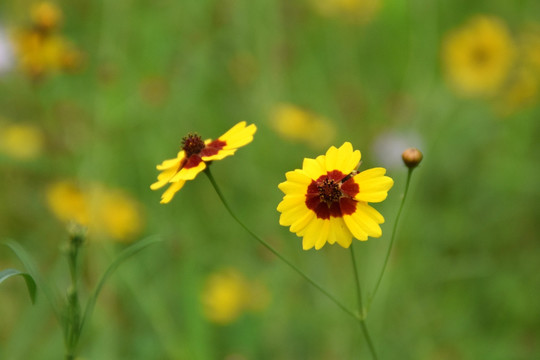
point(196, 154)
point(327, 200)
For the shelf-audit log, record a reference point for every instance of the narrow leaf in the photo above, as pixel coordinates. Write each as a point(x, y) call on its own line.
point(124, 255)
point(30, 266)
point(30, 283)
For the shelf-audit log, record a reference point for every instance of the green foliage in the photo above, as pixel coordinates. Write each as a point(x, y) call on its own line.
point(28, 279)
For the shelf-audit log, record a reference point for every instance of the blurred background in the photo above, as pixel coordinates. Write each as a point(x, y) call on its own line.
point(95, 93)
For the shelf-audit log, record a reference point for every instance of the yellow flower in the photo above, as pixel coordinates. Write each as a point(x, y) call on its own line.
point(118, 215)
point(39, 54)
point(227, 294)
point(478, 56)
point(45, 15)
point(195, 154)
point(67, 202)
point(327, 200)
point(106, 212)
point(21, 141)
point(297, 124)
point(358, 11)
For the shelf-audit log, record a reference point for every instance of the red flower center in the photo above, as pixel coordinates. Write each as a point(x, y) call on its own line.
point(332, 195)
point(192, 144)
point(329, 191)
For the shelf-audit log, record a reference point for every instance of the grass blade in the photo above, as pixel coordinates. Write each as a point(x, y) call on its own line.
point(30, 283)
point(124, 255)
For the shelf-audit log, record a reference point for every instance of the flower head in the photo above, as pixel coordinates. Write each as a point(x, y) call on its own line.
point(478, 56)
point(297, 124)
point(227, 294)
point(327, 200)
point(195, 154)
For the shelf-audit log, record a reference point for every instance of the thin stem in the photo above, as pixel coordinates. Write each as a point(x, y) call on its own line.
point(362, 319)
point(275, 252)
point(393, 237)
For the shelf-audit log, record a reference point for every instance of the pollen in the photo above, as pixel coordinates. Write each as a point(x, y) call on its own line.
point(329, 191)
point(192, 144)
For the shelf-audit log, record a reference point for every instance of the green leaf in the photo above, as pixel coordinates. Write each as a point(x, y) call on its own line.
point(30, 283)
point(30, 266)
point(124, 255)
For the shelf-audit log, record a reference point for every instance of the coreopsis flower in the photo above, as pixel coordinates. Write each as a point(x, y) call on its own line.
point(327, 200)
point(106, 212)
point(297, 124)
point(227, 294)
point(478, 56)
point(21, 141)
point(196, 154)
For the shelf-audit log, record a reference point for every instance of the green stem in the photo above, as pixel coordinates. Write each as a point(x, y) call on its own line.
point(275, 252)
point(362, 319)
point(73, 317)
point(393, 237)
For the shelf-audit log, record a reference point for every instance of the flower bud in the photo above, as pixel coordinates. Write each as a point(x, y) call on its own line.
point(412, 157)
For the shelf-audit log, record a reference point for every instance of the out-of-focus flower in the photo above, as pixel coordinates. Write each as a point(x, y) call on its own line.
point(118, 215)
point(68, 202)
point(6, 52)
point(478, 56)
point(227, 294)
point(40, 54)
point(297, 124)
point(327, 200)
point(40, 48)
point(356, 11)
point(21, 141)
point(45, 16)
point(388, 147)
point(196, 153)
point(107, 212)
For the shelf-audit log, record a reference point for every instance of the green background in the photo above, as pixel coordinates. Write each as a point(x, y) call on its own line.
point(463, 281)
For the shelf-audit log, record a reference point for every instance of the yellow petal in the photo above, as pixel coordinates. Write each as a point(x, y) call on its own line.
point(339, 232)
point(301, 222)
point(313, 168)
point(312, 233)
point(348, 159)
point(355, 228)
point(189, 174)
point(289, 187)
point(298, 176)
point(167, 164)
point(163, 178)
point(332, 158)
point(323, 235)
point(290, 202)
point(169, 193)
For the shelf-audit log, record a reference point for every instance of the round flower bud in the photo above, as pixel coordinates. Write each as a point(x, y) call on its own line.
point(412, 157)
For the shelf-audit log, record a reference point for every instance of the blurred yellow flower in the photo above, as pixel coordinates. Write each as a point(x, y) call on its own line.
point(195, 154)
point(227, 294)
point(478, 56)
point(106, 212)
point(357, 11)
point(120, 215)
point(327, 200)
point(68, 202)
point(297, 124)
point(21, 141)
point(39, 54)
point(45, 16)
